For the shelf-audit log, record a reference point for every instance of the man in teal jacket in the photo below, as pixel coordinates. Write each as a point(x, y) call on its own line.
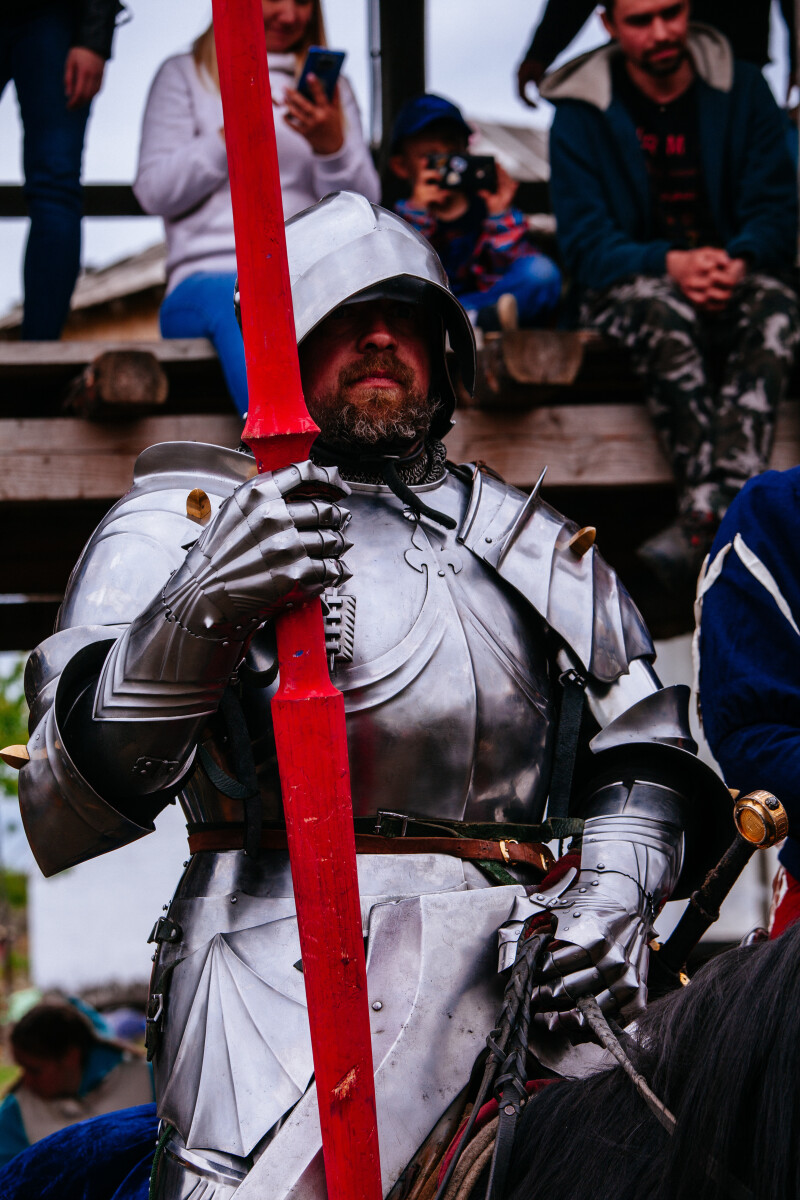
point(676, 204)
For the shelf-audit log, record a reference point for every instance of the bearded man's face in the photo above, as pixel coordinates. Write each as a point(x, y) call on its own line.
point(652, 34)
point(366, 375)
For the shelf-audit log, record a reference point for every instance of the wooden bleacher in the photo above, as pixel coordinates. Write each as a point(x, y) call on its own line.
point(59, 474)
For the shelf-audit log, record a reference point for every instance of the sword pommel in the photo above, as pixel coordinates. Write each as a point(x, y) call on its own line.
point(761, 818)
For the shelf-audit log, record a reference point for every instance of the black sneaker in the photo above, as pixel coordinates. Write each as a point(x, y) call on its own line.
point(502, 317)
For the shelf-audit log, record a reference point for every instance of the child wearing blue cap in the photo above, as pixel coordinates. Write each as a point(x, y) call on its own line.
point(498, 275)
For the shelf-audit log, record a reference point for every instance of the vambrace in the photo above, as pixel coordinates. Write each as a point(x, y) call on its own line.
point(66, 821)
point(656, 818)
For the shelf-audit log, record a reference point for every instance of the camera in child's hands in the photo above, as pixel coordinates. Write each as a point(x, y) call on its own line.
point(470, 173)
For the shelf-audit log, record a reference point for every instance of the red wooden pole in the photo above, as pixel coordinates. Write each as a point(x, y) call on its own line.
point(308, 712)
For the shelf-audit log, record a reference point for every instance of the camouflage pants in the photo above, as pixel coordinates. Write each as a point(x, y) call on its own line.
point(712, 381)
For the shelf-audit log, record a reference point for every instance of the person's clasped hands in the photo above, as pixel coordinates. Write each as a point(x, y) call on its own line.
point(707, 276)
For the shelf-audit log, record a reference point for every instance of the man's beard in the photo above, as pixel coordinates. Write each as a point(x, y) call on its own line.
point(376, 419)
point(661, 70)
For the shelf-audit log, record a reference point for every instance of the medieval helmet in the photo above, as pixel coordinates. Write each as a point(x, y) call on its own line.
point(345, 249)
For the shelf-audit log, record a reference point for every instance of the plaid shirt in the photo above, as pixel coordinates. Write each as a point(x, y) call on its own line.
point(476, 249)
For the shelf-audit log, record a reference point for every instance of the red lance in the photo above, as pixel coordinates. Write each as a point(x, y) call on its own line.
point(308, 712)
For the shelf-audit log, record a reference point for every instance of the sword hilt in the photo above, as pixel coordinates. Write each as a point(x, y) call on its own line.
point(761, 821)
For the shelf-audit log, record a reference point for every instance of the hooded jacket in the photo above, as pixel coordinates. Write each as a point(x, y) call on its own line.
point(599, 184)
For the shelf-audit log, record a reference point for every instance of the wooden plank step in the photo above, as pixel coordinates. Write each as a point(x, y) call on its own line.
point(591, 445)
point(35, 357)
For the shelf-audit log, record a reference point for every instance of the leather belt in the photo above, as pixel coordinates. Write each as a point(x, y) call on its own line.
point(531, 854)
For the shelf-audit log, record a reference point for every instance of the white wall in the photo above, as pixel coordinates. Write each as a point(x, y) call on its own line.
point(89, 925)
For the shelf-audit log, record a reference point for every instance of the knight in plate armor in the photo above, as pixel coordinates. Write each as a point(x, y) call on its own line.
point(462, 618)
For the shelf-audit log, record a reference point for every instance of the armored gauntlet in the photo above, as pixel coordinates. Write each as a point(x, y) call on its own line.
point(606, 905)
point(276, 541)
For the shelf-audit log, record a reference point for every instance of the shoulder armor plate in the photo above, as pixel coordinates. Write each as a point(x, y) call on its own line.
point(157, 529)
point(580, 597)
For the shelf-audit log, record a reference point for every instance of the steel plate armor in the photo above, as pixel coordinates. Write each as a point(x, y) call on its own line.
point(447, 645)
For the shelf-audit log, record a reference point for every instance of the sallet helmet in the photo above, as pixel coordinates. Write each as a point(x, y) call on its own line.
point(344, 248)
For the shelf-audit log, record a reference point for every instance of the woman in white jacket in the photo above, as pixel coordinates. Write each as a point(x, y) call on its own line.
point(183, 171)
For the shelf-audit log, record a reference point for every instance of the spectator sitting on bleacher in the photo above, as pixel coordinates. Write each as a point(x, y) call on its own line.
point(676, 205)
point(498, 275)
point(745, 23)
point(183, 171)
point(68, 1074)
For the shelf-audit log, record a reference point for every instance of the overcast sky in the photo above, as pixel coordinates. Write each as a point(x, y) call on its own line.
point(473, 49)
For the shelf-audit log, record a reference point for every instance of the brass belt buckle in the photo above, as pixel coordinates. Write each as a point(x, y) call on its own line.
point(504, 843)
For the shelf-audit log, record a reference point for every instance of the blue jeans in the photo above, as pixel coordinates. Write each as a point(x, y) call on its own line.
point(202, 306)
point(535, 282)
point(33, 52)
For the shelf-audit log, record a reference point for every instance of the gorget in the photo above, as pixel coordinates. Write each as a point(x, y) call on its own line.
point(426, 467)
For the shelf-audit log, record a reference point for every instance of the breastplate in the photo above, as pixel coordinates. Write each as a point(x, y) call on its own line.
point(443, 670)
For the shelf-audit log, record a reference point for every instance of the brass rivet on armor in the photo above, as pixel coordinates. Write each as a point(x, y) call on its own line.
point(198, 506)
point(15, 756)
point(580, 542)
point(376, 1004)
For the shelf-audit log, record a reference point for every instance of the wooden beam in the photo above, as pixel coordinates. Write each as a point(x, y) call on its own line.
point(99, 200)
point(64, 459)
point(583, 445)
point(35, 356)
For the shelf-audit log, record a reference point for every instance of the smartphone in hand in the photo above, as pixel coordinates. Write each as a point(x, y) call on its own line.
point(325, 64)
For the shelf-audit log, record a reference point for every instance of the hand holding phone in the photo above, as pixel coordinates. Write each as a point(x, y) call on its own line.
point(311, 108)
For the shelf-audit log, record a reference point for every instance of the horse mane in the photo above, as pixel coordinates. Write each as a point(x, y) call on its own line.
point(724, 1055)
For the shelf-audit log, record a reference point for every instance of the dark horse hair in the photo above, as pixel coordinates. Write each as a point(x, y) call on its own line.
point(724, 1055)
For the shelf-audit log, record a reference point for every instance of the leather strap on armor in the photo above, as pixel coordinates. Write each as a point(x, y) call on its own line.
point(531, 854)
point(569, 727)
